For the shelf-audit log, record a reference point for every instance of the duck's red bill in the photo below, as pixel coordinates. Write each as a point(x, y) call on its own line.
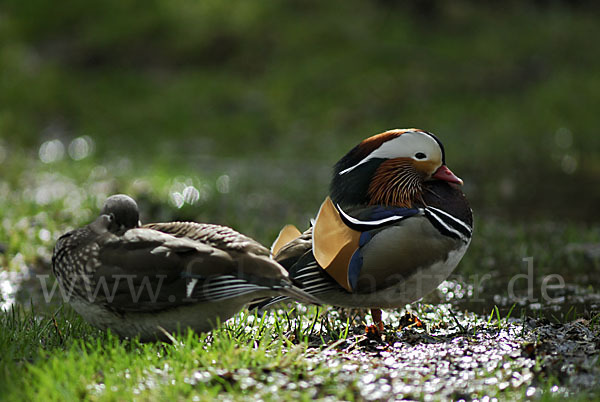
point(443, 173)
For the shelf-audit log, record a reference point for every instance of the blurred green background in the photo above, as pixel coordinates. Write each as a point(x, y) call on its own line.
point(512, 88)
point(234, 112)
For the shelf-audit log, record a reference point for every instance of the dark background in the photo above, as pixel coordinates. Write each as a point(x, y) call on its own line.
point(512, 88)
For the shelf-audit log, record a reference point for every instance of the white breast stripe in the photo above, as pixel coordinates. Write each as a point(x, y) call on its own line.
point(448, 228)
point(469, 229)
point(355, 221)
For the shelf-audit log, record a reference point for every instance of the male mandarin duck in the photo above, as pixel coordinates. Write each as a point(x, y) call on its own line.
point(393, 228)
point(159, 278)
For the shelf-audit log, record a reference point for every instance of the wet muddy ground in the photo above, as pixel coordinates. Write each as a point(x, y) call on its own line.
point(458, 356)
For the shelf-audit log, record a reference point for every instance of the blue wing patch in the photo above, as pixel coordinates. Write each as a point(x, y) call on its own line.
point(364, 238)
point(354, 268)
point(356, 261)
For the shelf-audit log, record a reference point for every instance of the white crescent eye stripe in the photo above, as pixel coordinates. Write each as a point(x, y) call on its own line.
point(358, 164)
point(405, 145)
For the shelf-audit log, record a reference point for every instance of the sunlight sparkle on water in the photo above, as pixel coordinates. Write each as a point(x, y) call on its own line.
point(81, 147)
point(223, 184)
point(9, 285)
point(7, 291)
point(52, 151)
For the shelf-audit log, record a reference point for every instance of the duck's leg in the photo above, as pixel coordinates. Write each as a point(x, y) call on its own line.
point(376, 314)
point(377, 326)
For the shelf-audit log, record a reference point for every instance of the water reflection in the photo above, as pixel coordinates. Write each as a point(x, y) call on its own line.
point(563, 138)
point(223, 184)
point(569, 164)
point(81, 148)
point(558, 303)
point(52, 151)
point(187, 191)
point(8, 289)
point(12, 283)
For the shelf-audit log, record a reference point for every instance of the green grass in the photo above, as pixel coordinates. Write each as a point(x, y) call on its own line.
point(60, 357)
point(71, 360)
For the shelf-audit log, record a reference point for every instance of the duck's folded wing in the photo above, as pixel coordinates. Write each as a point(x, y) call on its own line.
point(309, 277)
point(406, 241)
point(394, 254)
point(221, 237)
point(338, 236)
point(147, 270)
point(289, 253)
point(287, 234)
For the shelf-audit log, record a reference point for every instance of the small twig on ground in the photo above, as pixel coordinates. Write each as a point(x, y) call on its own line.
point(462, 329)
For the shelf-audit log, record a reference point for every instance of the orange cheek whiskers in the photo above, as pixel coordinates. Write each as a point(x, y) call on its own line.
point(395, 183)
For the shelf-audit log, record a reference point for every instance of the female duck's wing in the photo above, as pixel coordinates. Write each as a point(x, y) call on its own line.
point(221, 237)
point(148, 270)
point(253, 260)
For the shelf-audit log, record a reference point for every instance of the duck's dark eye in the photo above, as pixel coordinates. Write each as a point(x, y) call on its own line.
point(420, 155)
